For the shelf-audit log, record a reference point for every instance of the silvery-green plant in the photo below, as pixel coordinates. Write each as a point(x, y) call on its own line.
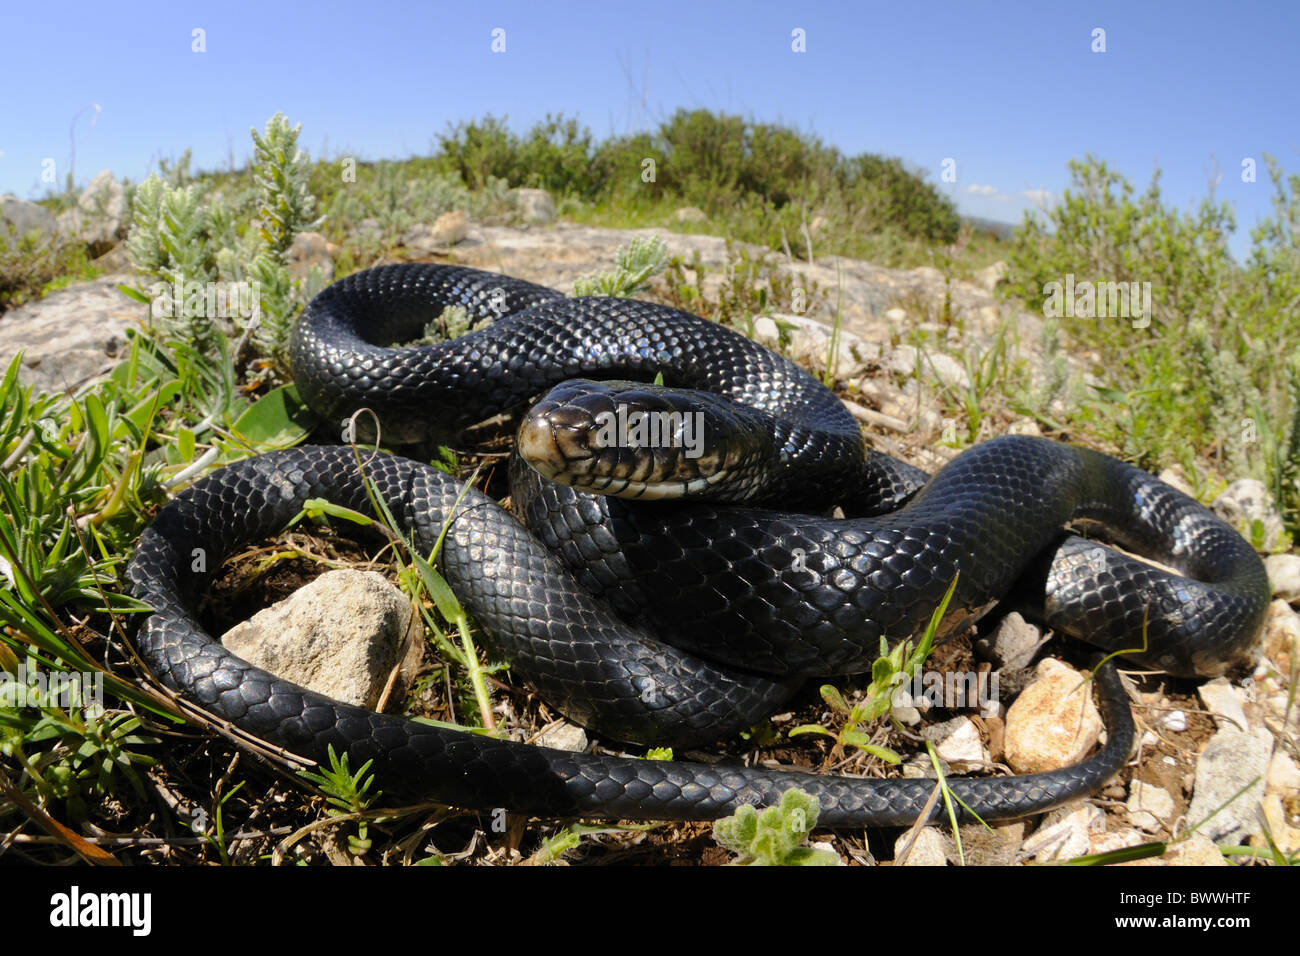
point(179, 234)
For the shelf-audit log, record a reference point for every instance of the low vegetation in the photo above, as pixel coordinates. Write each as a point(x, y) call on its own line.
point(1211, 383)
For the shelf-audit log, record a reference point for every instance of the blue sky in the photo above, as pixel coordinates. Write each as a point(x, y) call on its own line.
point(1009, 91)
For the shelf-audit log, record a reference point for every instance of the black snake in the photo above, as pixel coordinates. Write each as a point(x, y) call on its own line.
point(754, 599)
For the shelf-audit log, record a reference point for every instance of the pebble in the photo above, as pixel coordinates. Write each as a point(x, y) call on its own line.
point(1065, 833)
point(1229, 762)
point(1284, 576)
point(1149, 806)
point(1175, 721)
point(928, 850)
point(1223, 701)
point(1053, 723)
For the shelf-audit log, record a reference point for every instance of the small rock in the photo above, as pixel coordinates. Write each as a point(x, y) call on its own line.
point(1220, 698)
point(1196, 850)
point(1149, 738)
point(451, 227)
point(1245, 503)
point(929, 273)
point(25, 217)
point(99, 218)
point(1284, 576)
point(1175, 721)
point(1025, 426)
point(447, 230)
point(1149, 807)
point(117, 259)
point(1228, 763)
point(827, 847)
point(1053, 723)
point(535, 206)
point(958, 741)
point(1065, 833)
point(935, 366)
point(766, 331)
point(989, 277)
point(920, 767)
point(340, 635)
point(71, 336)
point(896, 315)
point(1283, 775)
point(928, 850)
point(1281, 636)
point(690, 214)
point(563, 735)
point(810, 343)
point(1012, 644)
point(1111, 841)
point(902, 707)
point(1284, 835)
point(311, 250)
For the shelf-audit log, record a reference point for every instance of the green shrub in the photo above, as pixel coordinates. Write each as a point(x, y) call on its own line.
point(1213, 370)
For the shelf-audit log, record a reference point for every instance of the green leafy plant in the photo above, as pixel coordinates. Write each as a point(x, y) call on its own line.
point(1202, 370)
point(776, 835)
point(890, 669)
point(347, 794)
point(634, 264)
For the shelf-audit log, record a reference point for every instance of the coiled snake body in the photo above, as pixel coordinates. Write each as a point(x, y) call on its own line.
point(753, 599)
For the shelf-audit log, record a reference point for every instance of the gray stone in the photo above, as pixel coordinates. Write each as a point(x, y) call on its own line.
point(1012, 644)
point(810, 344)
point(99, 218)
point(1149, 807)
point(563, 735)
point(927, 850)
point(989, 277)
point(71, 336)
point(1064, 833)
point(1246, 503)
point(447, 230)
point(341, 635)
point(535, 206)
point(963, 743)
point(1228, 763)
point(25, 217)
point(936, 367)
point(1284, 576)
point(1222, 700)
point(690, 214)
point(1196, 850)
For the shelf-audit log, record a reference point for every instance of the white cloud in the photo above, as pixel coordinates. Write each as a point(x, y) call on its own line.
point(982, 190)
point(1039, 196)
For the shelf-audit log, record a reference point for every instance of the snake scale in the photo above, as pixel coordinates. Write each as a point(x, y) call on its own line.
point(753, 599)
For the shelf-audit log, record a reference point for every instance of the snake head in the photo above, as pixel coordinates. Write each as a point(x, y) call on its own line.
point(650, 442)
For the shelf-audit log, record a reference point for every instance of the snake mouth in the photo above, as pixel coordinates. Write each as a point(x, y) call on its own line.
point(631, 440)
